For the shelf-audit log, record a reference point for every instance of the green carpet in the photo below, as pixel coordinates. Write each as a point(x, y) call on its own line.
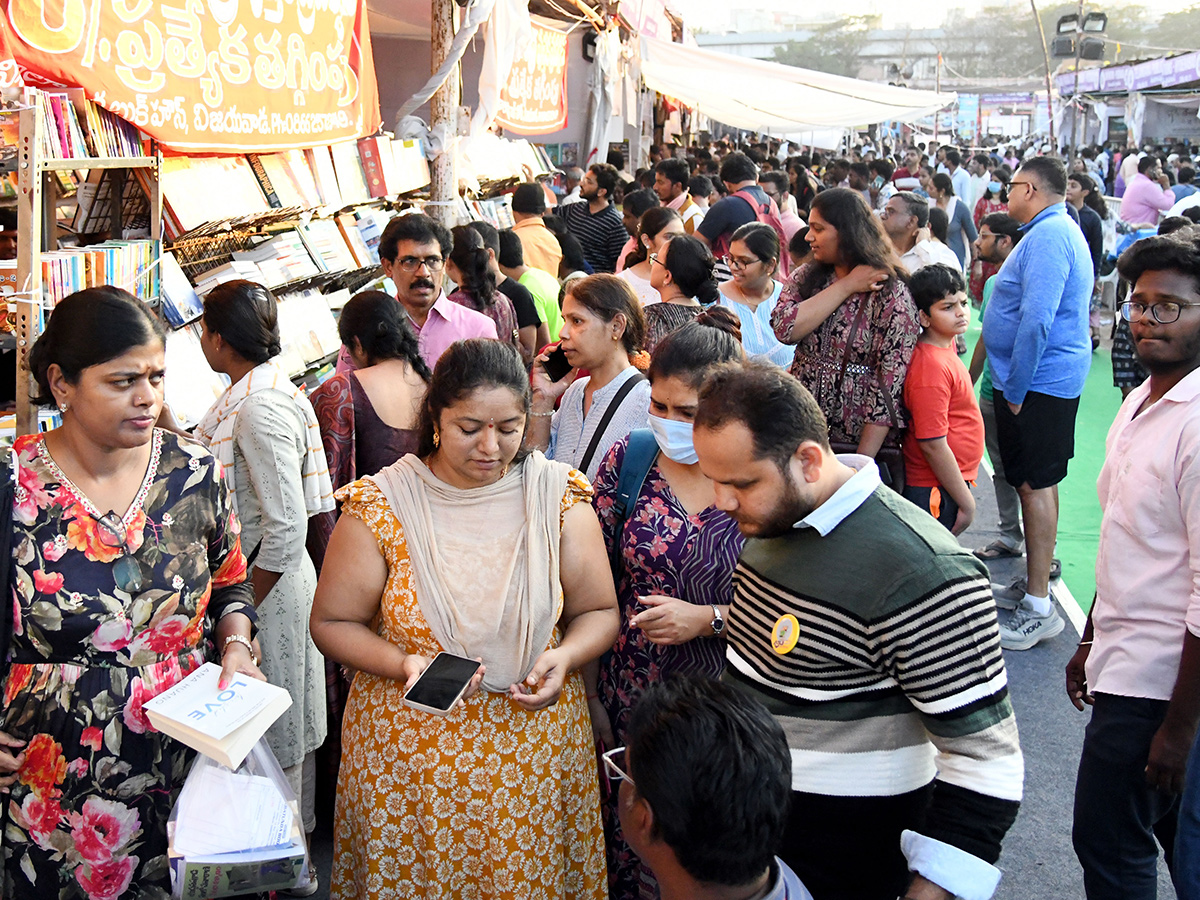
point(1079, 508)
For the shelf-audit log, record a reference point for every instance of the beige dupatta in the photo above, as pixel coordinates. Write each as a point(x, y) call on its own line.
point(485, 560)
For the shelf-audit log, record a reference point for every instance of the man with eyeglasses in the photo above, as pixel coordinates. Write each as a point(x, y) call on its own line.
point(1138, 664)
point(903, 217)
point(1039, 350)
point(412, 252)
point(704, 790)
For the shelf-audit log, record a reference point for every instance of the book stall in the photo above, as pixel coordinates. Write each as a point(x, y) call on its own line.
point(171, 194)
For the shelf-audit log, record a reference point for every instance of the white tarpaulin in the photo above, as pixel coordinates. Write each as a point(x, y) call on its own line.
point(769, 97)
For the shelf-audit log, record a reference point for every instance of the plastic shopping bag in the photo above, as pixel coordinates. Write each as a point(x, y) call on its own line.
point(236, 831)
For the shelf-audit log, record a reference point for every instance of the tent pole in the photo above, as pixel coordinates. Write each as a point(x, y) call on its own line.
point(1046, 58)
point(443, 111)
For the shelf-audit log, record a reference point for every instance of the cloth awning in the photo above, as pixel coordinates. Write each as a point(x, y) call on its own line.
point(774, 98)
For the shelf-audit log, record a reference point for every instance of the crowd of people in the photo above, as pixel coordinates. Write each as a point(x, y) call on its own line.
point(681, 459)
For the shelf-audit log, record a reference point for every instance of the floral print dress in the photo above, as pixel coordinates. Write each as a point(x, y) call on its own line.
point(665, 550)
point(87, 817)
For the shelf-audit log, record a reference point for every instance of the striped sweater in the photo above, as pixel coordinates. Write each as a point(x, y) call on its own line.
point(897, 678)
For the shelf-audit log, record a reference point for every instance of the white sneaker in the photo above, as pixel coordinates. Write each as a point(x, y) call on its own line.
point(1025, 629)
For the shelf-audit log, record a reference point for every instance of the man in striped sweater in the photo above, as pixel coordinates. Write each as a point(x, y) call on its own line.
point(872, 636)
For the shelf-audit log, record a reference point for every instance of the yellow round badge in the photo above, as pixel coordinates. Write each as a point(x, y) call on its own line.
point(785, 634)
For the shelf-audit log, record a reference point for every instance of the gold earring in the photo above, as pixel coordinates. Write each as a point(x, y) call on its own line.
point(437, 439)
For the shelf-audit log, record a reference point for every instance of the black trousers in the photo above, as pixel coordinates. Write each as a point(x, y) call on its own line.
point(848, 848)
point(1118, 817)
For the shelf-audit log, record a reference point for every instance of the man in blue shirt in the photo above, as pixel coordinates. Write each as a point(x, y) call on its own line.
point(1039, 351)
point(704, 792)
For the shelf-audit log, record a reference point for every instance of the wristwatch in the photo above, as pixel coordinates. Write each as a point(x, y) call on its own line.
point(718, 622)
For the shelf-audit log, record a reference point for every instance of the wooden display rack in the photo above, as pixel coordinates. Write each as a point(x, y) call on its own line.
point(37, 201)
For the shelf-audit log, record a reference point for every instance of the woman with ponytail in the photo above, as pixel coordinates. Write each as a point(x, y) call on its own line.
point(265, 434)
point(656, 226)
point(469, 268)
point(683, 274)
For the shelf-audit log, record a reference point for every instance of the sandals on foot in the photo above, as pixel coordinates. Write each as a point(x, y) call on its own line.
point(997, 550)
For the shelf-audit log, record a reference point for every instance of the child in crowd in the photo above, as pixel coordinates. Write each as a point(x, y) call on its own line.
point(944, 444)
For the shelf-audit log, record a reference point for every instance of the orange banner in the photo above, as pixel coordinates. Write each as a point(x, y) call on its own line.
point(206, 75)
point(535, 99)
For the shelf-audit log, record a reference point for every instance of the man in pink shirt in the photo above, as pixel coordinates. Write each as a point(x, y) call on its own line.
point(1139, 661)
point(413, 251)
point(1147, 195)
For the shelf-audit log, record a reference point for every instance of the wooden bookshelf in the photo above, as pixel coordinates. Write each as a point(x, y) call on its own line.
point(37, 204)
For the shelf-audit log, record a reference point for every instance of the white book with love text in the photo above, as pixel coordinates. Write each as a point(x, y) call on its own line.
point(223, 724)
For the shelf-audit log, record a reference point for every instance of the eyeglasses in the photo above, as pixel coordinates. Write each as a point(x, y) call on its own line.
point(412, 263)
point(737, 265)
point(1163, 313)
point(1012, 184)
point(614, 763)
point(653, 257)
point(127, 573)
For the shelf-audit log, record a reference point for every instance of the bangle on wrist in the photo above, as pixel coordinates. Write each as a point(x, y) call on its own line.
point(541, 415)
point(1085, 643)
point(239, 639)
point(593, 696)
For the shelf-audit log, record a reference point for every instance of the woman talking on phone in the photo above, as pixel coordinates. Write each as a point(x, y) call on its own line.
point(477, 548)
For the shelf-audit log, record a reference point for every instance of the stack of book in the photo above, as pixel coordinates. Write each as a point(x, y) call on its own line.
point(281, 259)
point(126, 264)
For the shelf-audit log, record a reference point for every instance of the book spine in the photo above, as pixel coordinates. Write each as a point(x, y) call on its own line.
point(264, 180)
point(368, 152)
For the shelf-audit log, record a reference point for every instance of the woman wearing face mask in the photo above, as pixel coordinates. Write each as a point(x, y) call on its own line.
point(989, 203)
point(676, 553)
point(656, 226)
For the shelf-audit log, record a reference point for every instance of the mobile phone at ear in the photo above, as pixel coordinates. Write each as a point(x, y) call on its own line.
point(556, 364)
point(442, 684)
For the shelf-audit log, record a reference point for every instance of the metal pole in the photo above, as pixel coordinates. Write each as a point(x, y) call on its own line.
point(1075, 106)
point(937, 87)
point(1046, 58)
point(443, 110)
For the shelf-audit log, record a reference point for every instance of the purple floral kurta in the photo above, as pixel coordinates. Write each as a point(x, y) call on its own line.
point(665, 551)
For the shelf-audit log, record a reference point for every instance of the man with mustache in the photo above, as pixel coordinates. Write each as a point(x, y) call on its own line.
point(412, 252)
point(872, 636)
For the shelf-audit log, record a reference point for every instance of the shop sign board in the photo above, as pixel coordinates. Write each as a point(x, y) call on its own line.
point(231, 76)
point(534, 101)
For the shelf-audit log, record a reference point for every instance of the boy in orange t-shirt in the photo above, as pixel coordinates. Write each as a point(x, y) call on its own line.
point(944, 444)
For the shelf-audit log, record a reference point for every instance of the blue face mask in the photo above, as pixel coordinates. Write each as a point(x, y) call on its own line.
point(674, 440)
point(994, 186)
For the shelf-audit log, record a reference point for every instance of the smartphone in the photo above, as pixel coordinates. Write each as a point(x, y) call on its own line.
point(556, 364)
point(440, 686)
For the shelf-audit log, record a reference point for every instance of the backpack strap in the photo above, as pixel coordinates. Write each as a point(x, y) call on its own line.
point(602, 426)
point(641, 451)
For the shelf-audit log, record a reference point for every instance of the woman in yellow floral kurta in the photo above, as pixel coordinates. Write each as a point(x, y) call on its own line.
point(499, 798)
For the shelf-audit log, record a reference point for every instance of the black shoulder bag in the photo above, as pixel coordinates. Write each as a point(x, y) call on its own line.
point(602, 425)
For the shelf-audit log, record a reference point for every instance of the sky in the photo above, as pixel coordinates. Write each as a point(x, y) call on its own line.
point(714, 15)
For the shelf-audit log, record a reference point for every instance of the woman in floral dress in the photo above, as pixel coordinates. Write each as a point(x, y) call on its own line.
point(677, 553)
point(853, 322)
point(110, 609)
point(476, 548)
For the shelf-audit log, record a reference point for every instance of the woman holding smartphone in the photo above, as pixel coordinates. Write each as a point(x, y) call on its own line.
point(473, 547)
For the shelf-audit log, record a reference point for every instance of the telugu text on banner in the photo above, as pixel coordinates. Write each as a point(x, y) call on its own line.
point(206, 75)
point(534, 101)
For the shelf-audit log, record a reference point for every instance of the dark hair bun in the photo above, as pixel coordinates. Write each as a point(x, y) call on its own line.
point(723, 320)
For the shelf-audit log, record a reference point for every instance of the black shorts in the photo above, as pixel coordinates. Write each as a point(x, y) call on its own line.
point(1036, 445)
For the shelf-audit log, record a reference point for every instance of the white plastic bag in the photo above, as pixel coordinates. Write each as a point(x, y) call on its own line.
point(237, 831)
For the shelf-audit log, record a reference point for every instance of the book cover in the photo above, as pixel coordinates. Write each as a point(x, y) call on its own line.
point(372, 163)
point(223, 725)
point(352, 183)
point(180, 303)
point(321, 164)
point(411, 166)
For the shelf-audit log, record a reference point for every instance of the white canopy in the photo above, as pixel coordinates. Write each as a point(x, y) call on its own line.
point(773, 98)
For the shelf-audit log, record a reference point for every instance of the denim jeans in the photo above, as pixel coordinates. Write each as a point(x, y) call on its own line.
point(1118, 816)
point(1187, 837)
